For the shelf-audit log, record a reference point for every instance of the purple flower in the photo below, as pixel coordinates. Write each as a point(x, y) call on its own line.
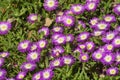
point(47, 74)
point(34, 46)
point(68, 20)
point(84, 57)
point(116, 41)
point(91, 6)
point(117, 57)
point(97, 55)
point(32, 18)
point(28, 66)
point(42, 44)
point(21, 75)
point(83, 36)
point(82, 46)
point(58, 62)
point(109, 36)
point(109, 47)
point(50, 5)
point(90, 46)
point(4, 54)
point(59, 19)
point(108, 58)
point(37, 76)
point(68, 59)
point(102, 26)
point(112, 71)
point(5, 27)
point(2, 74)
point(24, 46)
point(57, 50)
point(1, 61)
point(33, 56)
point(94, 21)
point(98, 32)
point(81, 23)
point(116, 9)
point(77, 9)
point(77, 50)
point(109, 18)
point(69, 37)
point(67, 12)
point(57, 29)
point(117, 29)
point(45, 31)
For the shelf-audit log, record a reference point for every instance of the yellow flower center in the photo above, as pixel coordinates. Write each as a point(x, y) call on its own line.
point(89, 46)
point(118, 58)
point(33, 47)
point(51, 3)
point(67, 61)
point(82, 46)
point(60, 40)
point(110, 36)
point(56, 63)
point(57, 29)
point(83, 37)
point(42, 44)
point(109, 47)
point(108, 18)
point(28, 66)
point(77, 8)
point(91, 6)
point(93, 22)
point(37, 76)
point(117, 41)
point(21, 76)
point(84, 57)
point(69, 21)
point(112, 71)
point(3, 54)
point(34, 18)
point(34, 55)
point(24, 45)
point(46, 75)
point(3, 27)
point(108, 58)
point(98, 56)
point(102, 26)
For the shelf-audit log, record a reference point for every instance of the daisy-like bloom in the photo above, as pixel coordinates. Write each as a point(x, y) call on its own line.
point(33, 46)
point(84, 57)
point(58, 62)
point(50, 5)
point(94, 21)
point(102, 49)
point(91, 6)
point(59, 39)
point(32, 18)
point(69, 38)
point(81, 24)
point(59, 19)
point(109, 36)
point(67, 12)
point(21, 75)
point(102, 26)
point(42, 44)
point(2, 74)
point(83, 36)
point(82, 46)
point(116, 9)
point(109, 47)
point(57, 50)
point(117, 29)
point(117, 57)
point(68, 20)
point(112, 71)
point(98, 33)
point(77, 9)
point(97, 55)
point(45, 31)
point(77, 50)
point(5, 27)
point(68, 59)
point(109, 18)
point(28, 66)
point(33, 56)
point(37, 76)
point(24, 46)
point(90, 46)
point(97, 1)
point(1, 61)
point(4, 54)
point(116, 41)
point(57, 29)
point(108, 58)
point(47, 74)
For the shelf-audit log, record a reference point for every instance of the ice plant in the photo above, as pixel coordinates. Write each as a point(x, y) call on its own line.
point(69, 37)
point(109, 18)
point(77, 9)
point(109, 47)
point(83, 36)
point(58, 62)
point(50, 5)
point(24, 46)
point(47, 74)
point(21, 75)
point(117, 57)
point(112, 71)
point(116, 41)
point(68, 59)
point(1, 61)
point(97, 55)
point(116, 9)
point(90, 46)
point(3, 74)
point(37, 76)
point(32, 18)
point(82, 46)
point(45, 30)
point(68, 21)
point(4, 54)
point(33, 56)
point(91, 6)
point(57, 29)
point(34, 46)
point(97, 33)
point(84, 57)
point(56, 51)
point(5, 27)
point(42, 44)
point(28, 66)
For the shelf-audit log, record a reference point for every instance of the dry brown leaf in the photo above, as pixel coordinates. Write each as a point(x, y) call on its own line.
point(48, 22)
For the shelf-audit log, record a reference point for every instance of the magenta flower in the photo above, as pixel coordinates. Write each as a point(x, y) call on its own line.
point(37, 76)
point(84, 57)
point(5, 27)
point(32, 18)
point(21, 75)
point(83, 36)
point(34, 46)
point(1, 62)
point(91, 6)
point(68, 59)
point(112, 71)
point(3, 74)
point(116, 41)
point(109, 47)
point(69, 38)
point(116, 9)
point(81, 24)
point(97, 55)
point(4, 54)
point(109, 18)
point(90, 46)
point(42, 44)
point(50, 5)
point(45, 31)
point(57, 29)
